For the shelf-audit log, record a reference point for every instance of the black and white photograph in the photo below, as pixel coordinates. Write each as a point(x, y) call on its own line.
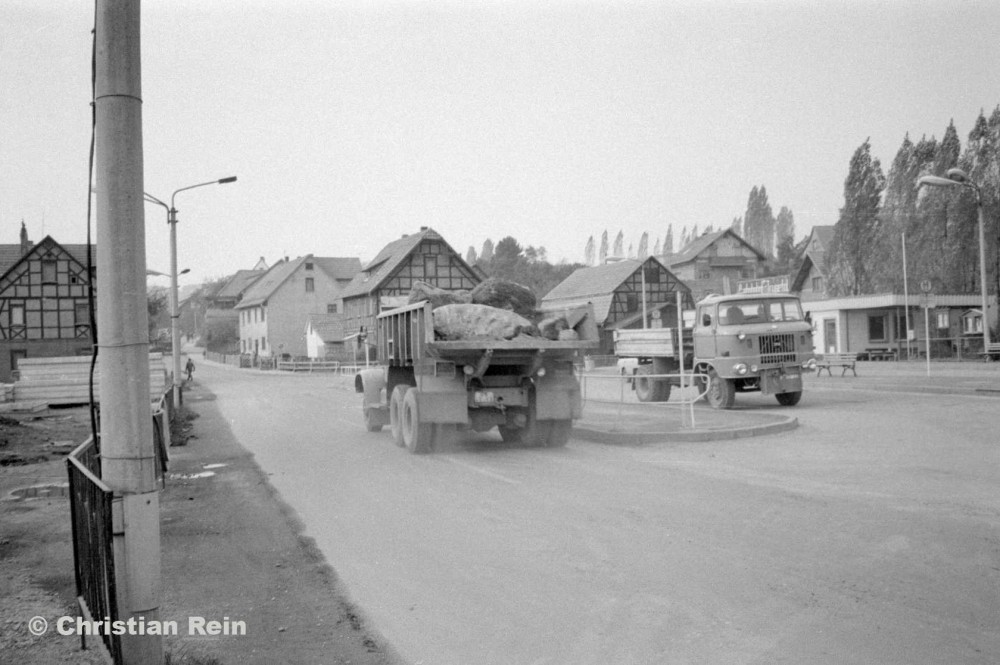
point(503, 332)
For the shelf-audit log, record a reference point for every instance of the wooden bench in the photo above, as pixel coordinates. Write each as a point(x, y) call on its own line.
point(845, 360)
point(992, 352)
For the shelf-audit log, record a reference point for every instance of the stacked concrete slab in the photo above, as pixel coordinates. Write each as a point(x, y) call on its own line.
point(66, 380)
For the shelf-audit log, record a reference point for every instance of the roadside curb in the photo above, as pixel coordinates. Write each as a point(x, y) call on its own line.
point(918, 389)
point(635, 438)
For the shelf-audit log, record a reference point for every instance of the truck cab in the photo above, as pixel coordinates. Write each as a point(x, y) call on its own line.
point(752, 342)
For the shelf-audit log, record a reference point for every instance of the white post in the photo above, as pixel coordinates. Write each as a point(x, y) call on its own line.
point(128, 458)
point(927, 335)
point(906, 299)
point(175, 333)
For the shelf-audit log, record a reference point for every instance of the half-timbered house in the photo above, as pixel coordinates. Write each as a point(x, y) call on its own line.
point(386, 281)
point(715, 262)
point(624, 294)
point(44, 301)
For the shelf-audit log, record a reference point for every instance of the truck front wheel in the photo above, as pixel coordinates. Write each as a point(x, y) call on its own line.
point(721, 392)
point(417, 436)
point(789, 399)
point(650, 390)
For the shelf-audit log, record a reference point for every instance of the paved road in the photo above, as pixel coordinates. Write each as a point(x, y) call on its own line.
point(871, 534)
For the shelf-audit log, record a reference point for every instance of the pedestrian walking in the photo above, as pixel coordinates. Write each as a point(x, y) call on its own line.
point(189, 368)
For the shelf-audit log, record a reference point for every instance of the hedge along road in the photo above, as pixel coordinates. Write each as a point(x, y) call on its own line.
point(869, 534)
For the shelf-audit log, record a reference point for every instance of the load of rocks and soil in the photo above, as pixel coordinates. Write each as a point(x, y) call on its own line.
point(499, 309)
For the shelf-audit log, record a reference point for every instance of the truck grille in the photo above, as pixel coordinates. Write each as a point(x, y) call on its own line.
point(776, 349)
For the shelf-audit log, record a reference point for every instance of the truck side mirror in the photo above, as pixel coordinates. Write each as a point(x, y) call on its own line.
point(706, 320)
point(809, 318)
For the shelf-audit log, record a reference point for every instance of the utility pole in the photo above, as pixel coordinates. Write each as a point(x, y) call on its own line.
point(128, 463)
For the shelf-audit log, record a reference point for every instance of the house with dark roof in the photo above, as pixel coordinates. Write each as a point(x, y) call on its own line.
point(44, 302)
point(715, 262)
point(273, 311)
point(386, 280)
point(624, 294)
point(810, 281)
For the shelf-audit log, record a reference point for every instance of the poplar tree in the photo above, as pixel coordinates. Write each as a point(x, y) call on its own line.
point(486, 256)
point(618, 251)
point(470, 256)
point(668, 242)
point(851, 251)
point(643, 250)
point(588, 253)
point(602, 257)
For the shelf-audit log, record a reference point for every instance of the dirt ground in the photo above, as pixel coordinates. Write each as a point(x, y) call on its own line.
point(230, 550)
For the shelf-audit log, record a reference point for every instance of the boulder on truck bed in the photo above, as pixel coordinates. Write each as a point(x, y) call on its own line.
point(504, 294)
point(473, 321)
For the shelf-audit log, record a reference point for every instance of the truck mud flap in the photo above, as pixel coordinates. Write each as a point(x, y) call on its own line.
point(443, 407)
point(558, 399)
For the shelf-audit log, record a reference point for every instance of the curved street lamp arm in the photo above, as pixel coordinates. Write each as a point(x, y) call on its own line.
point(221, 181)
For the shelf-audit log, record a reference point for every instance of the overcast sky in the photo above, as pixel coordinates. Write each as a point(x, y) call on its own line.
point(349, 124)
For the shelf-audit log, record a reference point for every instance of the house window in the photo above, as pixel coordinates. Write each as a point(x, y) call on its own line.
point(817, 283)
point(331, 309)
point(263, 314)
point(430, 266)
point(973, 325)
point(704, 273)
point(631, 302)
point(310, 285)
point(48, 272)
point(651, 275)
point(81, 314)
point(309, 266)
point(877, 328)
point(943, 320)
point(17, 315)
point(263, 344)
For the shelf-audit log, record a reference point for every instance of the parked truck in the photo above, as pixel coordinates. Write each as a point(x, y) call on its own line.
point(428, 390)
point(741, 343)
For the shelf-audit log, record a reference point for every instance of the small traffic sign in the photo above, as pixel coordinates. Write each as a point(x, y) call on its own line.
point(925, 285)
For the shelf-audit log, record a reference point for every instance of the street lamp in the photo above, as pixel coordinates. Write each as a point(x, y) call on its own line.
point(958, 178)
point(157, 273)
point(175, 335)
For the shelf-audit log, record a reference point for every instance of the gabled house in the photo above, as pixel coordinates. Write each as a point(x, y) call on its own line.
point(385, 282)
point(44, 305)
point(325, 338)
point(274, 309)
point(715, 262)
point(616, 290)
point(810, 281)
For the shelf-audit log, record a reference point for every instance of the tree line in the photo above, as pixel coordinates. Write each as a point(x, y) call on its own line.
point(940, 225)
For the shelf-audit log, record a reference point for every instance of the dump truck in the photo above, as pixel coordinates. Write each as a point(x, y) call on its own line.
point(741, 343)
point(428, 390)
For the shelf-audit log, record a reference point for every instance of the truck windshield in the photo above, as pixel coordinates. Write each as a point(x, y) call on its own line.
point(759, 311)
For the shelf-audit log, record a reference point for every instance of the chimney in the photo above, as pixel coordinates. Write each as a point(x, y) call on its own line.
point(25, 243)
point(424, 228)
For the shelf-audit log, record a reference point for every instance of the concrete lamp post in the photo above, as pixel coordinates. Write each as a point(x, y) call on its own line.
point(175, 336)
point(958, 178)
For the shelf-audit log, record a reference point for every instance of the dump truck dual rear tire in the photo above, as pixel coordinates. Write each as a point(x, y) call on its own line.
point(650, 390)
point(396, 413)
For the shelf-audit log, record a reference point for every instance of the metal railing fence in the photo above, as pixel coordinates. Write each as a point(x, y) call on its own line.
point(601, 393)
point(93, 543)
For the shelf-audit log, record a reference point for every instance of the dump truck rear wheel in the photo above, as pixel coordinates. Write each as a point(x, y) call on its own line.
point(417, 436)
point(396, 412)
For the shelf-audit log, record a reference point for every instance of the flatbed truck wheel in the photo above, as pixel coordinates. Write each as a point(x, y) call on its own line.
point(650, 390)
point(396, 413)
point(417, 436)
point(789, 399)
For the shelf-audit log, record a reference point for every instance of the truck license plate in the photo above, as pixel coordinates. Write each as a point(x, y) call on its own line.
point(484, 397)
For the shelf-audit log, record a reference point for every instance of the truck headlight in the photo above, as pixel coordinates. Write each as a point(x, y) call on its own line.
point(740, 368)
point(742, 336)
point(753, 368)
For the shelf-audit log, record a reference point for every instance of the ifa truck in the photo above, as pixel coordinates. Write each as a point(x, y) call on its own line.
point(739, 343)
point(429, 390)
